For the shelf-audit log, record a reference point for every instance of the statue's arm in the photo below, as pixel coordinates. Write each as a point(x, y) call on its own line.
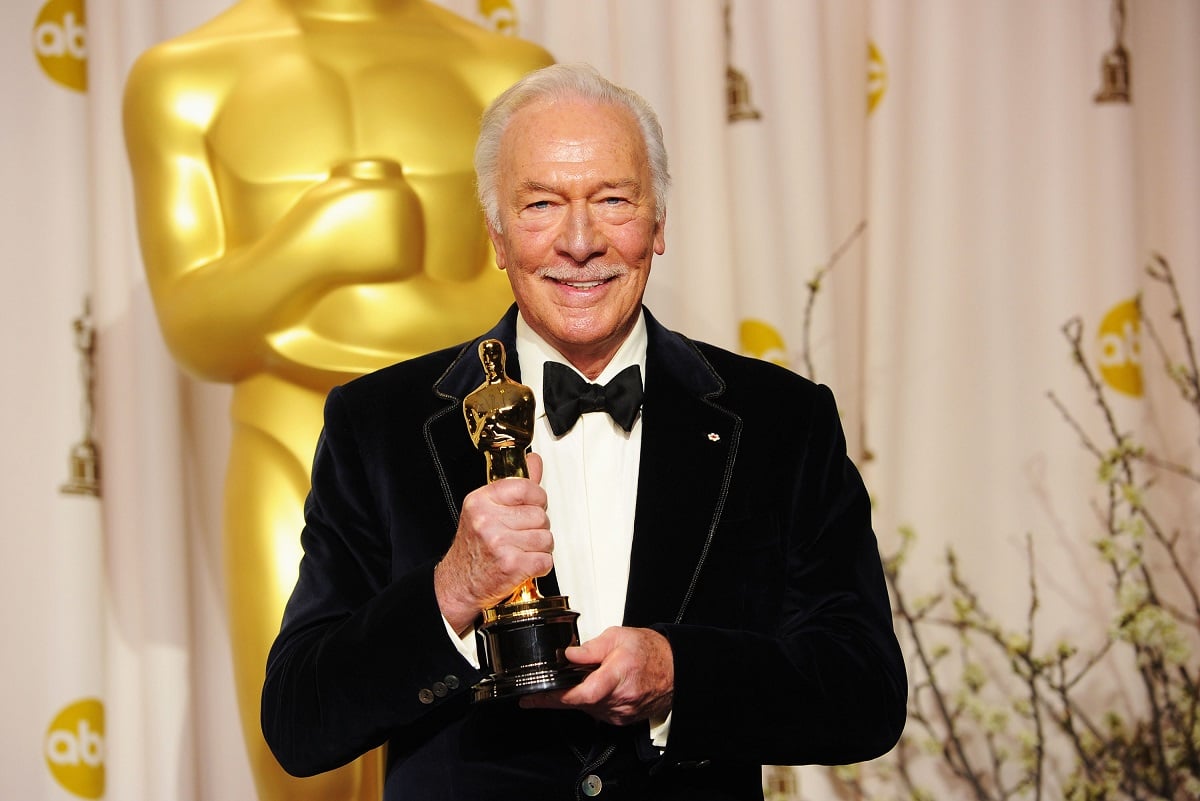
point(219, 299)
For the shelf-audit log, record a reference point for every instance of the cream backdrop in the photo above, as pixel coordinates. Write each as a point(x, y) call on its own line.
point(984, 200)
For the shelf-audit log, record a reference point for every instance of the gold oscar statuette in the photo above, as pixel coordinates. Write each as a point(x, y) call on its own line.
point(525, 636)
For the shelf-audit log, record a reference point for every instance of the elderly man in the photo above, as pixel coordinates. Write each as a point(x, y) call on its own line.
point(718, 545)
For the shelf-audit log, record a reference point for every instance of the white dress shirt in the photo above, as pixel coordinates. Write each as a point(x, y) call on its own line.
point(590, 478)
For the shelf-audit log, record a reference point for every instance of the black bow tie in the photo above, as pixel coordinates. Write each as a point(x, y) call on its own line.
point(567, 396)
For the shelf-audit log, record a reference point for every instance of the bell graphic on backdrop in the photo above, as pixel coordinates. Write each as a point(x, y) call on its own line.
point(1114, 67)
point(525, 636)
point(738, 106)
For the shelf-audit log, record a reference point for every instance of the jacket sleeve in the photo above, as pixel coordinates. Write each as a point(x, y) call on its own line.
point(817, 676)
point(363, 654)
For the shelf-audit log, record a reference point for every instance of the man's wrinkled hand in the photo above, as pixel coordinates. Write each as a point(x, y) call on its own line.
point(503, 538)
point(634, 679)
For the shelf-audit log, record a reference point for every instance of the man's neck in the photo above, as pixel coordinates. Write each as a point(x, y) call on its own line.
point(589, 364)
point(592, 366)
point(592, 360)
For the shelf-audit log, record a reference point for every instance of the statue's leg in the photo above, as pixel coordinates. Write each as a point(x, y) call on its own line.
point(265, 489)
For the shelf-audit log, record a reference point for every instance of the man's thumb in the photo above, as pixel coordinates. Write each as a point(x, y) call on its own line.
point(535, 467)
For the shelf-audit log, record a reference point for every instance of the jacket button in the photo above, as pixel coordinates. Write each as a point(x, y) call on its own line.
point(592, 785)
point(452, 681)
point(425, 696)
point(439, 689)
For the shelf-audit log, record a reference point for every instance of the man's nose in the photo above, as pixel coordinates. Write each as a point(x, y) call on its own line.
point(580, 237)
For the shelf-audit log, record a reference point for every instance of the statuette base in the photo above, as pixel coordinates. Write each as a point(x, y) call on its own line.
point(525, 644)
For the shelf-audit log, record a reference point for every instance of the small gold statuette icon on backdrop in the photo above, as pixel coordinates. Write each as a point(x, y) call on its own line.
point(525, 636)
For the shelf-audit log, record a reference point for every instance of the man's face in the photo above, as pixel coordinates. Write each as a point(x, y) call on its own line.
point(579, 230)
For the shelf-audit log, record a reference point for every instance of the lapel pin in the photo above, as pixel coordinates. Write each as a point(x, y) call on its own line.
point(714, 437)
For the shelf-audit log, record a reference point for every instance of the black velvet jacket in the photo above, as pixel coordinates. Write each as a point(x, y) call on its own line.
point(752, 552)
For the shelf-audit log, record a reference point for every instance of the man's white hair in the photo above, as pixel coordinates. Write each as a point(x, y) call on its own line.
point(561, 82)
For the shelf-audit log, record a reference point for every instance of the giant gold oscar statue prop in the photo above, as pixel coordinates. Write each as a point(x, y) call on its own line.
point(303, 178)
point(526, 635)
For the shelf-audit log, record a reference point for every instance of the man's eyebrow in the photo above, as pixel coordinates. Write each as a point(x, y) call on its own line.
point(536, 186)
point(627, 183)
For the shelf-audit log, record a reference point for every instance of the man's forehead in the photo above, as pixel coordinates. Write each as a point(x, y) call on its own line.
point(570, 119)
point(566, 137)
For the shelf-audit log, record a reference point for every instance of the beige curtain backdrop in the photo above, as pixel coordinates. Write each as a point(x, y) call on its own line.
point(942, 167)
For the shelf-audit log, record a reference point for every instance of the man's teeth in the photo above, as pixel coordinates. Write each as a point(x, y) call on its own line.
point(583, 285)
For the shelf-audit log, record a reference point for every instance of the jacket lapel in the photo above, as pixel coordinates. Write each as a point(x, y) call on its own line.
point(688, 448)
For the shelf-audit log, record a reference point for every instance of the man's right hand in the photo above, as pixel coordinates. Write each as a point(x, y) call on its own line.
point(503, 538)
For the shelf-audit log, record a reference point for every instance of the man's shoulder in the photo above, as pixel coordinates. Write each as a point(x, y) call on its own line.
point(739, 383)
point(738, 371)
point(773, 402)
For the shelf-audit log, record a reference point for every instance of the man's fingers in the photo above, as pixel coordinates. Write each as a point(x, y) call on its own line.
point(515, 492)
point(633, 680)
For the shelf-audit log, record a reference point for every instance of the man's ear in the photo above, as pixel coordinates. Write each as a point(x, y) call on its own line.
point(660, 236)
point(498, 246)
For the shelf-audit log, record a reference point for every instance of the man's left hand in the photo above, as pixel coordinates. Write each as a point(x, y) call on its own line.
point(634, 680)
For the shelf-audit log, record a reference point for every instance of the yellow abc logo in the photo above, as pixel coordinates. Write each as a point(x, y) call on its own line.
point(1120, 342)
point(762, 341)
point(501, 14)
point(74, 748)
point(60, 43)
point(877, 76)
